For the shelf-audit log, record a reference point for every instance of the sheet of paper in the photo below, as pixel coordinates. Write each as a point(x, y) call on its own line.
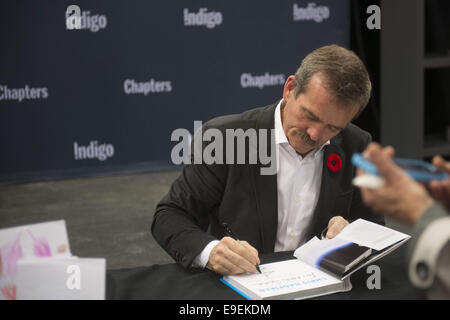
point(60, 279)
point(38, 241)
point(48, 239)
point(371, 235)
point(284, 277)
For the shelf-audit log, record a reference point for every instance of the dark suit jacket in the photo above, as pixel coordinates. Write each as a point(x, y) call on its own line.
point(204, 196)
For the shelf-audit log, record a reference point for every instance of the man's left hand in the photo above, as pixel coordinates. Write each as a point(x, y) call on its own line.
point(335, 226)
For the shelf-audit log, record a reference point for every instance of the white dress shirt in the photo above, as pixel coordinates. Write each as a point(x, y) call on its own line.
point(298, 185)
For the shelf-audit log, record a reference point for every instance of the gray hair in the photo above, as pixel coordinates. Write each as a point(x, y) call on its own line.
point(344, 74)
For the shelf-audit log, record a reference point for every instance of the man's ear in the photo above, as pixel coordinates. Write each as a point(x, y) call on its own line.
point(289, 88)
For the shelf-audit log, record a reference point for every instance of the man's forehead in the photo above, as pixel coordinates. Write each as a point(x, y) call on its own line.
point(338, 119)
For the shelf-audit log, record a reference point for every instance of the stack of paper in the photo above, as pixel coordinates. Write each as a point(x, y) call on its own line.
point(36, 263)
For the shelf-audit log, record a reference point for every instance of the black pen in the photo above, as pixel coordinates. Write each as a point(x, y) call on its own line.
point(231, 234)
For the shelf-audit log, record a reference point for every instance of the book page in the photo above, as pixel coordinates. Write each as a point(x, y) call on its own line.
point(371, 235)
point(284, 277)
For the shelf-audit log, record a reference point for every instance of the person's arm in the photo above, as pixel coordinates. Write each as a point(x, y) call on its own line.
point(182, 218)
point(405, 200)
point(202, 259)
point(400, 197)
point(428, 252)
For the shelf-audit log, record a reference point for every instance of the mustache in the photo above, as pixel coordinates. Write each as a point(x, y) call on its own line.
point(306, 138)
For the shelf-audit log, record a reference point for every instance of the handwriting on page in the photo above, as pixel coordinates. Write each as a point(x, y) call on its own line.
point(271, 281)
point(283, 277)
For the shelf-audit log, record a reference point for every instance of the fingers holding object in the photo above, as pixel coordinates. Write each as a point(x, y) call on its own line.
point(232, 257)
point(335, 226)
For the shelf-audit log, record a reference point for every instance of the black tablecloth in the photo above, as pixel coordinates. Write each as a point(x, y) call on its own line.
point(171, 281)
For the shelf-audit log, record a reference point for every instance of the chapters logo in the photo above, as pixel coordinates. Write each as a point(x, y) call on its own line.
point(311, 12)
point(94, 150)
point(19, 94)
point(260, 81)
point(131, 86)
point(83, 20)
point(202, 18)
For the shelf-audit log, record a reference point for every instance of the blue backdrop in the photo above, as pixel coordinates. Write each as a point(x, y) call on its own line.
point(106, 95)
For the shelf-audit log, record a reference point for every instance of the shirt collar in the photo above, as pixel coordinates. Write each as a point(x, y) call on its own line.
point(280, 136)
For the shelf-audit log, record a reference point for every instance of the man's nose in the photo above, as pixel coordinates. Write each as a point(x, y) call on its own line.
point(315, 132)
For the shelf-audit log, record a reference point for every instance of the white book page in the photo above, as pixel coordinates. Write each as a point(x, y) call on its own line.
point(284, 277)
point(371, 235)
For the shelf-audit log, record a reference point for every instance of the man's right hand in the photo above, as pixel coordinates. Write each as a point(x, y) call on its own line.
point(230, 256)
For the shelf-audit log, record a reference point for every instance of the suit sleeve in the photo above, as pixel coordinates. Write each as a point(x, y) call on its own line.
point(358, 208)
point(429, 253)
point(182, 217)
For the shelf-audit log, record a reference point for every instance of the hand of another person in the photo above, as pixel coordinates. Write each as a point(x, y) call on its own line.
point(335, 225)
point(400, 197)
point(230, 256)
point(440, 190)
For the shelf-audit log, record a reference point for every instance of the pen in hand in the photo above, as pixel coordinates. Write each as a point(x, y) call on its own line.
point(231, 234)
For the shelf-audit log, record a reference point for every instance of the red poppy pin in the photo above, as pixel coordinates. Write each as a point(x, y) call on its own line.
point(334, 162)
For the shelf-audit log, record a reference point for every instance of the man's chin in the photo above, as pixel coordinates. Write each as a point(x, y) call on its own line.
point(300, 147)
point(303, 151)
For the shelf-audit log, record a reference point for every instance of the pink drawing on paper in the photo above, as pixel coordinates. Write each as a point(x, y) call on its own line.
point(9, 292)
point(41, 247)
point(11, 252)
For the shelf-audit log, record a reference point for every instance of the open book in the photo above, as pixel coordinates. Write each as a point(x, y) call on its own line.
point(322, 266)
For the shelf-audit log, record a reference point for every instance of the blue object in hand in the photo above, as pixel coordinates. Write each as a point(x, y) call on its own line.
point(419, 170)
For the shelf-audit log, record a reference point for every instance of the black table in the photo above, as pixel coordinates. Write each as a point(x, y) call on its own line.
point(172, 282)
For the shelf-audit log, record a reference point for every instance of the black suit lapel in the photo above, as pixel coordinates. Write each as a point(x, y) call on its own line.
point(265, 187)
point(267, 206)
point(330, 188)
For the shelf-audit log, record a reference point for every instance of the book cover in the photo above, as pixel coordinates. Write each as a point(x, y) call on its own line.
point(342, 259)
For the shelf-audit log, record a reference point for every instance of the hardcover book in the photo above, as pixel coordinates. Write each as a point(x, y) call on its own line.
point(322, 266)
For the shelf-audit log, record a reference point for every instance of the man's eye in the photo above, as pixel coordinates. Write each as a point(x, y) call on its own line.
point(334, 129)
